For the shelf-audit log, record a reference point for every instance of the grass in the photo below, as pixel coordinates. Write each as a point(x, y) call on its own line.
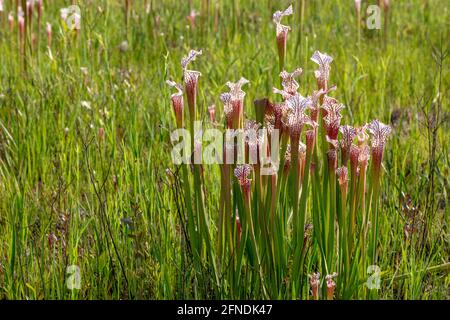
point(85, 142)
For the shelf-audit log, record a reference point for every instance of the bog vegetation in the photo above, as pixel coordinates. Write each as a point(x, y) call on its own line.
point(356, 205)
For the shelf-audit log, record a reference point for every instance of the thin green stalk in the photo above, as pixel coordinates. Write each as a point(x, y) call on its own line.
point(299, 249)
point(331, 219)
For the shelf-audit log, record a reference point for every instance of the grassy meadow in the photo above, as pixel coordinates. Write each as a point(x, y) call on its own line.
point(90, 197)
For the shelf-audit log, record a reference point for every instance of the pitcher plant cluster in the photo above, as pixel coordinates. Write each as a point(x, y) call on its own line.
point(308, 226)
point(25, 19)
